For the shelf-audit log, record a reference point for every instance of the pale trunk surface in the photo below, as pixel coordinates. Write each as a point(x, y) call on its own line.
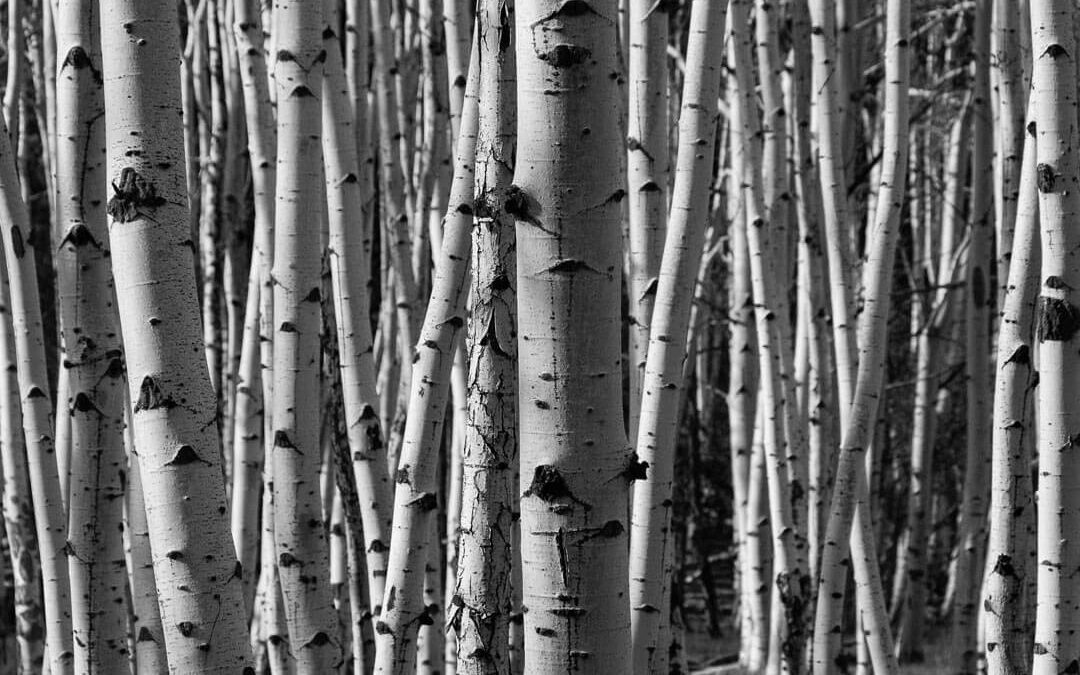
point(416, 495)
point(301, 547)
point(350, 255)
point(648, 170)
point(94, 356)
point(575, 464)
point(252, 405)
point(1009, 613)
point(652, 546)
point(849, 527)
point(37, 410)
point(1057, 620)
point(195, 565)
point(18, 506)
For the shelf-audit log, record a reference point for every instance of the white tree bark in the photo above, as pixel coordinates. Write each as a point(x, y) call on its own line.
point(1008, 637)
point(575, 464)
point(94, 355)
point(652, 556)
point(195, 564)
point(416, 495)
point(1057, 619)
point(301, 547)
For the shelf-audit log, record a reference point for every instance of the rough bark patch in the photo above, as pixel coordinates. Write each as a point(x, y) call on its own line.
point(1058, 319)
point(133, 193)
point(150, 396)
point(1044, 178)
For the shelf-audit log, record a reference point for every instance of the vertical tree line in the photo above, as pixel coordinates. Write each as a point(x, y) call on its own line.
point(539, 336)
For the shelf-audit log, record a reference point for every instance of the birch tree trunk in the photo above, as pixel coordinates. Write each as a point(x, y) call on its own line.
point(1057, 620)
point(18, 504)
point(254, 378)
point(651, 543)
point(648, 171)
point(778, 400)
point(301, 546)
point(94, 355)
point(350, 260)
point(36, 411)
point(149, 654)
point(575, 468)
point(195, 564)
point(483, 600)
point(1008, 609)
point(848, 528)
point(416, 495)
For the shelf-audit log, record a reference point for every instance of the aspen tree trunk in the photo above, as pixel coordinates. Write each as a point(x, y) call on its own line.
point(482, 604)
point(394, 207)
point(18, 505)
point(818, 400)
point(651, 546)
point(759, 550)
point(975, 500)
point(457, 24)
point(94, 357)
point(837, 220)
point(15, 67)
point(416, 496)
point(146, 625)
point(252, 405)
point(350, 256)
point(432, 153)
point(648, 172)
point(1057, 621)
point(274, 628)
point(248, 440)
point(455, 470)
point(742, 386)
point(300, 541)
point(36, 407)
point(778, 399)
point(1008, 609)
point(848, 527)
point(213, 125)
point(1007, 64)
point(774, 151)
point(575, 467)
point(195, 566)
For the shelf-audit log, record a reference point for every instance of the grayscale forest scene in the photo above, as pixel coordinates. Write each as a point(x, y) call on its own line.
point(540, 337)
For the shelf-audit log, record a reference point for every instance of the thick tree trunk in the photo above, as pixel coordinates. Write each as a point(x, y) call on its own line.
point(1057, 621)
point(195, 565)
point(575, 467)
